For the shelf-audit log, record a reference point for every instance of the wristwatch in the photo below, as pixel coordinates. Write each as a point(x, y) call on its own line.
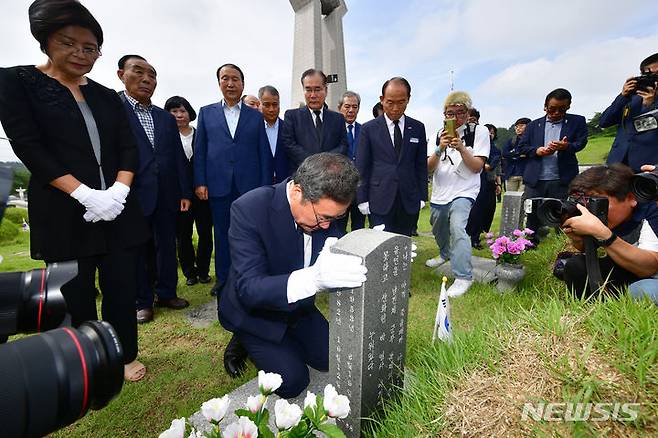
point(607, 242)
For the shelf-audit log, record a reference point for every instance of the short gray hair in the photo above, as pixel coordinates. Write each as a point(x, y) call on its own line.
point(349, 94)
point(267, 89)
point(327, 175)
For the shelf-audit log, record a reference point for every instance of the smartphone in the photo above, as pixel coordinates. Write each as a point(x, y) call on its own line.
point(449, 127)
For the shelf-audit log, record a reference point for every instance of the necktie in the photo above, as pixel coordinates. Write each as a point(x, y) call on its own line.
point(318, 123)
point(397, 137)
point(350, 140)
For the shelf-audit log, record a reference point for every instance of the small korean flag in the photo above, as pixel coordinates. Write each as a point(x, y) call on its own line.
point(442, 328)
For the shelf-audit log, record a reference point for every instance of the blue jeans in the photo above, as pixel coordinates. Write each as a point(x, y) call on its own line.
point(647, 287)
point(449, 228)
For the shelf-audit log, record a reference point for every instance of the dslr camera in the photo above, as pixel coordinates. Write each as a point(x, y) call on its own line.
point(553, 212)
point(49, 380)
point(646, 80)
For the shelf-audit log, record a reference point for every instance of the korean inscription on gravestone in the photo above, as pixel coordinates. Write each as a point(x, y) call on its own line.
point(367, 331)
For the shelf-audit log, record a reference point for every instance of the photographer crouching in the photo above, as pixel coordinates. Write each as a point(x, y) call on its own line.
point(629, 238)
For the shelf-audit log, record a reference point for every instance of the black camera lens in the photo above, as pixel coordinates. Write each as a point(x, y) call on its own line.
point(51, 380)
point(553, 212)
point(645, 187)
point(32, 301)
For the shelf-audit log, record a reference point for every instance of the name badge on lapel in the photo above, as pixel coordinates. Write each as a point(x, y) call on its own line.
point(413, 140)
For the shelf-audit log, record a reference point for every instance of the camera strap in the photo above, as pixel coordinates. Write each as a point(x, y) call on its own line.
point(592, 263)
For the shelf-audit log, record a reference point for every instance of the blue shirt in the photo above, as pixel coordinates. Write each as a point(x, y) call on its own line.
point(272, 134)
point(143, 113)
point(549, 169)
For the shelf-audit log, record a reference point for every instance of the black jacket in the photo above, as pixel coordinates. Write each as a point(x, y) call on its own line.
point(49, 135)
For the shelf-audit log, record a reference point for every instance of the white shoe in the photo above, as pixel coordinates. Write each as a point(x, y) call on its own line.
point(436, 261)
point(459, 287)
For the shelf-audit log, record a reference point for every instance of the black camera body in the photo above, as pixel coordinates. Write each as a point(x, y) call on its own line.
point(553, 212)
point(646, 80)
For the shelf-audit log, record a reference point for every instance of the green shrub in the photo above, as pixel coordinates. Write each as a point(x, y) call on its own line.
point(16, 215)
point(8, 231)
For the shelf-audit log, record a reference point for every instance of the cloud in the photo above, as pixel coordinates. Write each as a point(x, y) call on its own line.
point(593, 73)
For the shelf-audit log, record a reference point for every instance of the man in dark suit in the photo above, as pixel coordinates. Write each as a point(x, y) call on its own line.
point(550, 144)
point(276, 236)
point(231, 157)
point(393, 164)
point(161, 183)
point(631, 147)
point(313, 128)
point(269, 99)
point(513, 160)
point(349, 106)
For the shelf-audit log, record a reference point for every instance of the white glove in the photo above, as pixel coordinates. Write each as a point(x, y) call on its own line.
point(99, 203)
point(364, 208)
point(119, 191)
point(379, 227)
point(413, 254)
point(422, 204)
point(330, 271)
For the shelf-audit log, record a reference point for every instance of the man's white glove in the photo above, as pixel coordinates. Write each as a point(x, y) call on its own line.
point(413, 254)
point(422, 204)
point(379, 227)
point(364, 208)
point(119, 191)
point(99, 203)
point(329, 271)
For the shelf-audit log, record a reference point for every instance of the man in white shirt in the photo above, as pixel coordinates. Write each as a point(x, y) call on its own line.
point(456, 163)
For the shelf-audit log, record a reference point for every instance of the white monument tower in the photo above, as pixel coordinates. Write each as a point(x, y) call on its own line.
point(318, 43)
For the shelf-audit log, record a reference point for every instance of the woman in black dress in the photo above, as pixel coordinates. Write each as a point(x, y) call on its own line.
point(74, 137)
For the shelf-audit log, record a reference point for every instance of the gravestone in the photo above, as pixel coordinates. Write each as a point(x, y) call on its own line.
point(368, 325)
point(512, 213)
point(367, 333)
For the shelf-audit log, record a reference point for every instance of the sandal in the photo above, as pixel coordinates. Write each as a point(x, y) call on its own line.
point(134, 371)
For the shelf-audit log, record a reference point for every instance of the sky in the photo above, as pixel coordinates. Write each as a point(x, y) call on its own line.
point(507, 54)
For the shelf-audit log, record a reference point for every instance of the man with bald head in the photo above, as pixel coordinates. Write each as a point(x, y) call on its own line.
point(251, 101)
point(392, 162)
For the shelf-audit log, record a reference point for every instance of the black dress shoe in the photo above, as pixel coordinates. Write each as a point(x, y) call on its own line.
point(174, 303)
point(235, 358)
point(191, 281)
point(217, 288)
point(144, 316)
point(205, 279)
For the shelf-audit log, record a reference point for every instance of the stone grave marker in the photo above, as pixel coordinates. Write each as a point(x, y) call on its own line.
point(367, 333)
point(368, 325)
point(512, 212)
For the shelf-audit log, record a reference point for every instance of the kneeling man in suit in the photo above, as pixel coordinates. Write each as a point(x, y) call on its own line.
point(280, 239)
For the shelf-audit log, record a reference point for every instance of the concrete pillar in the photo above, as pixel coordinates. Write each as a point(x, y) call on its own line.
point(307, 44)
point(318, 43)
point(333, 53)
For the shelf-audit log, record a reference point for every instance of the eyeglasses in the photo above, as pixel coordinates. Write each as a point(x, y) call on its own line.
point(87, 51)
point(316, 90)
point(323, 220)
point(460, 113)
point(557, 109)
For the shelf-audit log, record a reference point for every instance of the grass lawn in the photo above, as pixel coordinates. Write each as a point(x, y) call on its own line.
point(536, 344)
point(596, 150)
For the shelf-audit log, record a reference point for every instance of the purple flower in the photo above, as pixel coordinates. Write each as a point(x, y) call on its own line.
point(503, 240)
point(514, 248)
point(528, 232)
point(518, 233)
point(489, 242)
point(489, 235)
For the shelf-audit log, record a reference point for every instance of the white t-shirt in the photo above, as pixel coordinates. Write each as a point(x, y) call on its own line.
point(452, 179)
point(648, 240)
point(187, 144)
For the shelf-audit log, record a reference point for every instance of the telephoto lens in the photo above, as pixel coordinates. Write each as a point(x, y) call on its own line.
point(645, 186)
point(48, 381)
point(32, 301)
